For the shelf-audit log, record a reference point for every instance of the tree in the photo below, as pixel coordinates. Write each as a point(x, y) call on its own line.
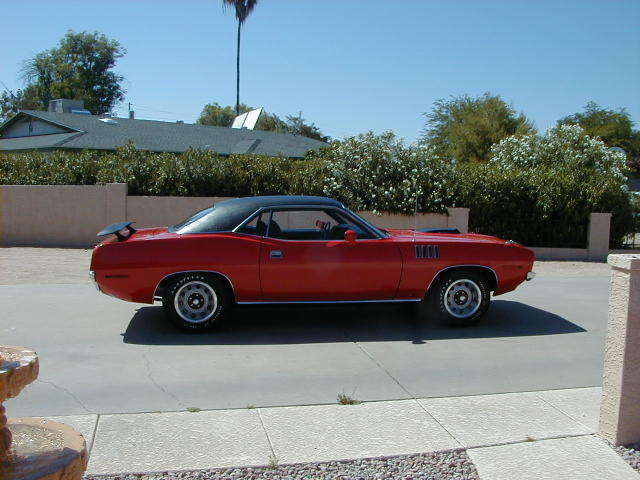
point(214, 114)
point(270, 122)
point(243, 9)
point(464, 128)
point(614, 128)
point(11, 102)
point(297, 125)
point(79, 67)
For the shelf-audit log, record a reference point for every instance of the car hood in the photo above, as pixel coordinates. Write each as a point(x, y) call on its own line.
point(411, 235)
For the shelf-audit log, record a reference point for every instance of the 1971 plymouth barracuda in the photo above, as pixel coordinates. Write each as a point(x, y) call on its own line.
point(302, 249)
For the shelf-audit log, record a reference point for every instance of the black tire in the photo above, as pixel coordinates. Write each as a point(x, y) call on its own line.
point(203, 301)
point(455, 289)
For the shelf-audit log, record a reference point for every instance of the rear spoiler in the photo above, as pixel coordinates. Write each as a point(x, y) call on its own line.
point(438, 230)
point(117, 230)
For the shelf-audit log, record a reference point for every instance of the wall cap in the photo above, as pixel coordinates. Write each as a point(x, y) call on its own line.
point(624, 261)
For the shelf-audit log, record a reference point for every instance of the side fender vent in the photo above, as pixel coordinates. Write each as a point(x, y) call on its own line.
point(427, 251)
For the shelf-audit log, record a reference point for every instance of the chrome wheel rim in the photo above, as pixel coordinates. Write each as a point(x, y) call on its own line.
point(462, 298)
point(195, 302)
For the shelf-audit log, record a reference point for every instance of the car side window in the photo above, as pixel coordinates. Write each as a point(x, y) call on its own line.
point(256, 226)
point(298, 224)
point(310, 224)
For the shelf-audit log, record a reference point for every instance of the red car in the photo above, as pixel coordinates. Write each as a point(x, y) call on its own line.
point(302, 249)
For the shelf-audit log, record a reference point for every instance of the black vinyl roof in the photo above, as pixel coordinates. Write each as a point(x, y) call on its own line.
point(228, 214)
point(277, 200)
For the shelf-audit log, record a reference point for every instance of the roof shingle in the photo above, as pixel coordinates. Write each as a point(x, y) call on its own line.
point(90, 132)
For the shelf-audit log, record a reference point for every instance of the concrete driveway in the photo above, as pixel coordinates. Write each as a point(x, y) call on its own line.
point(102, 355)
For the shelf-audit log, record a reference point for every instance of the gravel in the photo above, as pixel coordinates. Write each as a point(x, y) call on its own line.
point(571, 269)
point(448, 465)
point(25, 265)
point(631, 455)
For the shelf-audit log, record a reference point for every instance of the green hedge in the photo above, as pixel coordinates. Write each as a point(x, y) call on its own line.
point(537, 206)
point(541, 206)
point(194, 173)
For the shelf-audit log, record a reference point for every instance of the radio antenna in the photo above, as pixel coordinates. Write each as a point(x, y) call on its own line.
point(415, 210)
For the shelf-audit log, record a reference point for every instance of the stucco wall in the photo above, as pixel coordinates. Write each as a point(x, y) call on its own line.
point(546, 253)
point(70, 216)
point(60, 215)
point(163, 211)
point(620, 407)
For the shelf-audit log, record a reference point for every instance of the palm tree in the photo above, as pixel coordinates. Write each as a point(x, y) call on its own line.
point(243, 9)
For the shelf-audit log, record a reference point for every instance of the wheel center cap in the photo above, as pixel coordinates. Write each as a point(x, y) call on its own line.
point(196, 300)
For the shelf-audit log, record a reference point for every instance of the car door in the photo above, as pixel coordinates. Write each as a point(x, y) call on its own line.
point(304, 259)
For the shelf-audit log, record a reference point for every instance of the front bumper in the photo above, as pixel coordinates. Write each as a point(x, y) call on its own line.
point(531, 276)
point(92, 275)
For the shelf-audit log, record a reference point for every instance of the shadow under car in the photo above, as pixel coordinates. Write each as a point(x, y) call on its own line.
point(300, 324)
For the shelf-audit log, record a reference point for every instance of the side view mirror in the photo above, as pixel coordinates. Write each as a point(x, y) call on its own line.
point(350, 236)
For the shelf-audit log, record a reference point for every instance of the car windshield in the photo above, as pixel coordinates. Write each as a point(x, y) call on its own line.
point(380, 232)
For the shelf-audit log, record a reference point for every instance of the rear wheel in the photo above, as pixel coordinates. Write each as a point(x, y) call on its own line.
point(460, 298)
point(196, 301)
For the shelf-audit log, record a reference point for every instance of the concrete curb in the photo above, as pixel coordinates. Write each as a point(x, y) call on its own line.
point(486, 425)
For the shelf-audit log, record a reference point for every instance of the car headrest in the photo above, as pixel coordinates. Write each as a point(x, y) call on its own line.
point(261, 227)
point(274, 228)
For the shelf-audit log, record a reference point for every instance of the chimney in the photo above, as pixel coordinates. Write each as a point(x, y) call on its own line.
point(132, 115)
point(64, 105)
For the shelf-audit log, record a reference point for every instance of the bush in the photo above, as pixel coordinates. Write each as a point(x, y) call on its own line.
point(381, 174)
point(563, 147)
point(567, 175)
point(541, 206)
point(536, 190)
point(49, 168)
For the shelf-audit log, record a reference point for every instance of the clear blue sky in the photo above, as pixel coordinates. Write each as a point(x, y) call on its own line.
point(352, 65)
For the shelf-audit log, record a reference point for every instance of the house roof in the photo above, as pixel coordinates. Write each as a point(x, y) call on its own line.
point(91, 132)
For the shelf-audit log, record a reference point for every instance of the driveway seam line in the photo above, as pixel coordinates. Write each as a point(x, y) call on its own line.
point(157, 385)
point(327, 403)
point(264, 427)
point(95, 434)
point(462, 445)
point(542, 439)
point(380, 366)
point(68, 392)
point(563, 412)
point(413, 397)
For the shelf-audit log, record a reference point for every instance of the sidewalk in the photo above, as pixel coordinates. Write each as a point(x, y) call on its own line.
point(532, 435)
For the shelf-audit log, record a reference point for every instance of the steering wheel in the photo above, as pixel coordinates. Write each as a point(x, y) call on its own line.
point(325, 227)
point(326, 231)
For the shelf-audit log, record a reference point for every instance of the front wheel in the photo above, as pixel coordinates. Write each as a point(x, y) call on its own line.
point(460, 298)
point(196, 301)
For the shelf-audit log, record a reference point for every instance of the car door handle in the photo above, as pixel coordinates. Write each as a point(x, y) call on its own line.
point(276, 254)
